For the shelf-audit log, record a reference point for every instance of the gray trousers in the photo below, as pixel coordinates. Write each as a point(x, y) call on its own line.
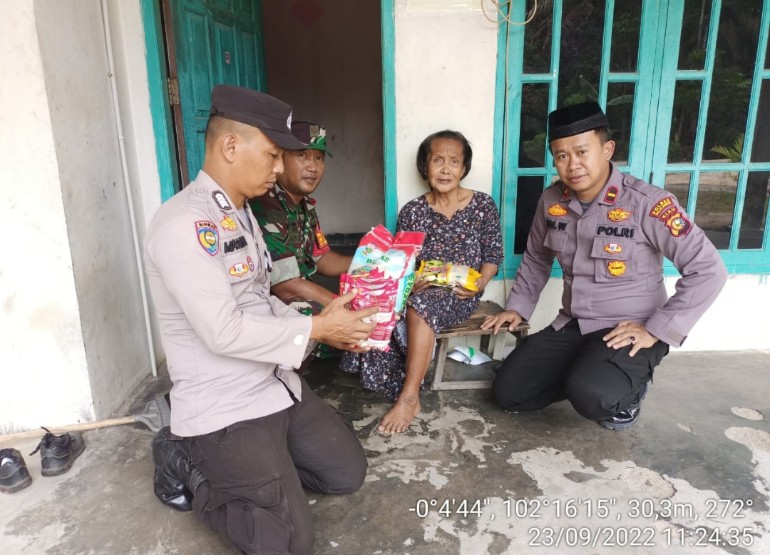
point(256, 470)
point(553, 365)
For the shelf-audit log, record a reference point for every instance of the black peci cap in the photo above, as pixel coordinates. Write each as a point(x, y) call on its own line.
point(260, 110)
point(575, 119)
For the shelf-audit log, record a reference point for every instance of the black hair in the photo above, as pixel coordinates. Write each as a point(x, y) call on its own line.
point(604, 134)
point(424, 151)
point(216, 126)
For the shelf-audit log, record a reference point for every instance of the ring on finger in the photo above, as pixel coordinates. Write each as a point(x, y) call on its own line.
point(632, 339)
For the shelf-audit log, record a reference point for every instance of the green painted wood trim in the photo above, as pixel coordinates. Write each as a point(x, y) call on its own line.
point(748, 140)
point(659, 27)
point(261, 68)
point(158, 88)
point(689, 74)
point(705, 98)
point(764, 38)
point(604, 72)
point(513, 68)
point(387, 11)
point(624, 77)
point(553, 94)
point(500, 124)
point(740, 196)
point(718, 167)
point(537, 78)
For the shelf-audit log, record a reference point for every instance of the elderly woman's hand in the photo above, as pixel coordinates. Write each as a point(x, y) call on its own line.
point(420, 285)
point(463, 293)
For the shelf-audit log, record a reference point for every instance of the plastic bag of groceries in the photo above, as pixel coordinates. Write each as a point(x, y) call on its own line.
point(382, 270)
point(448, 274)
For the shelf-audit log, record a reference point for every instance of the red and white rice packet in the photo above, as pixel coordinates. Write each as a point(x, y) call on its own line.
point(382, 270)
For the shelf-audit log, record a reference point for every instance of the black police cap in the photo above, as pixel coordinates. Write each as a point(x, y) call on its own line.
point(267, 113)
point(575, 119)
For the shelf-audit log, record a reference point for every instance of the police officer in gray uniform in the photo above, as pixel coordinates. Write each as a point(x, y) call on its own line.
point(610, 233)
point(246, 431)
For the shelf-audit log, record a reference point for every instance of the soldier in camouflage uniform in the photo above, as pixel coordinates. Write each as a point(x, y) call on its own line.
point(289, 223)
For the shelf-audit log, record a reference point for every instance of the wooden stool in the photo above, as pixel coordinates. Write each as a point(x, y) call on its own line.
point(472, 327)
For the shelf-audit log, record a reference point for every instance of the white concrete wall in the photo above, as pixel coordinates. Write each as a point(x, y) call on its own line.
point(73, 344)
point(446, 56)
point(331, 72)
point(737, 319)
point(42, 355)
point(129, 56)
point(73, 47)
point(734, 322)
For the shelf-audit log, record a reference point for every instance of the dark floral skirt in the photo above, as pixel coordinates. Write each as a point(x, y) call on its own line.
point(385, 371)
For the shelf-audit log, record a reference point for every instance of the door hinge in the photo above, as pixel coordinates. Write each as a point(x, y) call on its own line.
point(173, 91)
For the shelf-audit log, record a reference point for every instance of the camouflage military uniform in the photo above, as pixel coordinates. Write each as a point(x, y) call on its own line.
point(293, 237)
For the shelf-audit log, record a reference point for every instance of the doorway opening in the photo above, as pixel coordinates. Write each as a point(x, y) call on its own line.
point(322, 58)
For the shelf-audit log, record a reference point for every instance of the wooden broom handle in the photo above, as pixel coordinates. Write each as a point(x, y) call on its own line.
point(71, 428)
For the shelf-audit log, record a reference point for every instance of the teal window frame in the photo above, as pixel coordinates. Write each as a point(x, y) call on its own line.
point(388, 30)
point(654, 82)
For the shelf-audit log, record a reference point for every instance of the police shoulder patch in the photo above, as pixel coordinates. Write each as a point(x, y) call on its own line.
point(208, 236)
point(678, 224)
point(660, 206)
point(668, 212)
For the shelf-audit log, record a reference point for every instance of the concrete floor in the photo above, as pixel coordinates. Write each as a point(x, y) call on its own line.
point(693, 473)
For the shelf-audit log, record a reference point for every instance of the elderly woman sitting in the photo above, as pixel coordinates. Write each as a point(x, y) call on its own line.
point(461, 226)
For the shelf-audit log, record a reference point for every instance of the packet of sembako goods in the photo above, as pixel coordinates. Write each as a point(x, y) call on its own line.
point(382, 270)
point(448, 274)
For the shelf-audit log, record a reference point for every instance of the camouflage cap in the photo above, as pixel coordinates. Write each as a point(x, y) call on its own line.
point(575, 119)
point(311, 134)
point(260, 110)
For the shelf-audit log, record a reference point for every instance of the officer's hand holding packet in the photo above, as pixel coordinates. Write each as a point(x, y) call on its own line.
point(383, 272)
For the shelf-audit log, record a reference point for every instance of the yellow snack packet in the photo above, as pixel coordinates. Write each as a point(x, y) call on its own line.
point(448, 274)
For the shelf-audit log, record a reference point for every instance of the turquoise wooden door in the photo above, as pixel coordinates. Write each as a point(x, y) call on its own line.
point(652, 65)
point(216, 41)
point(711, 142)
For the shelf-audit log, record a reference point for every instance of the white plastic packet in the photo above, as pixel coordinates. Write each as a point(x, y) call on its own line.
point(469, 355)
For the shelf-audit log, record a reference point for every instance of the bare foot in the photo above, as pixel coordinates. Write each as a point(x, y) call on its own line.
point(401, 415)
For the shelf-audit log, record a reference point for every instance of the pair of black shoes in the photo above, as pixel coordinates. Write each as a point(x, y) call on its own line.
point(176, 478)
point(57, 455)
